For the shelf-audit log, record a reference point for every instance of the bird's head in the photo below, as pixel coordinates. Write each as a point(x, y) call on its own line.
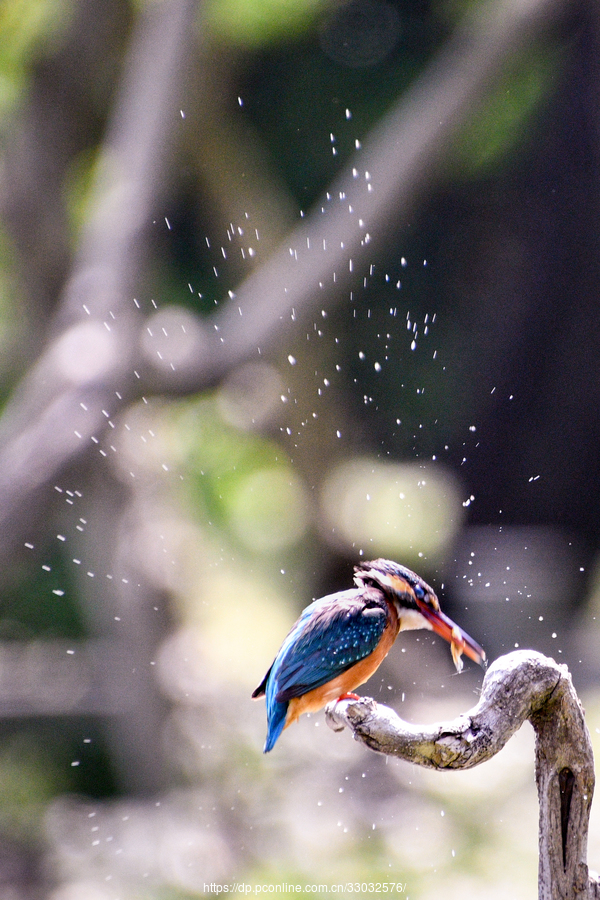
point(417, 606)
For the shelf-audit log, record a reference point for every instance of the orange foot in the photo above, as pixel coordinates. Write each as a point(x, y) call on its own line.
point(349, 696)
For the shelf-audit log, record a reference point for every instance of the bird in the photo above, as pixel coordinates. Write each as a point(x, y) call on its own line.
point(340, 640)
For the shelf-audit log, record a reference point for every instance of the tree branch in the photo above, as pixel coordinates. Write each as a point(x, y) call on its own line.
point(520, 686)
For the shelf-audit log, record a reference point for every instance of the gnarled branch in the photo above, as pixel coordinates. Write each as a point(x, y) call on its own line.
point(520, 686)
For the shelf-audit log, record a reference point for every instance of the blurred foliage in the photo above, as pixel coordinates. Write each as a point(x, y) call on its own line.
point(78, 186)
point(248, 24)
point(13, 325)
point(297, 97)
point(31, 775)
point(43, 601)
point(40, 763)
point(28, 28)
point(241, 482)
point(509, 114)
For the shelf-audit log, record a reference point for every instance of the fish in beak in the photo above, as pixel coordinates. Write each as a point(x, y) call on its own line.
point(460, 642)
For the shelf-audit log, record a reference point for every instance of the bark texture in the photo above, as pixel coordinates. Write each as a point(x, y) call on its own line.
point(519, 686)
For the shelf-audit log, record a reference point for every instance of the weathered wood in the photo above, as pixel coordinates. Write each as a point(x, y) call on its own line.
point(519, 686)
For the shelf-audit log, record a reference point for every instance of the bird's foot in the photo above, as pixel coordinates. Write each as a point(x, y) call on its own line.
point(348, 696)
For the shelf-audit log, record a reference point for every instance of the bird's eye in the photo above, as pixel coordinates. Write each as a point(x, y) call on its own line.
point(419, 592)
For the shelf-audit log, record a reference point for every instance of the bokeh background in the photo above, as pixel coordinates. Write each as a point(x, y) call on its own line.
point(283, 286)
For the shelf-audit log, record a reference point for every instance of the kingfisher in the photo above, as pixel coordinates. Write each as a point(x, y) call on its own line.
point(340, 640)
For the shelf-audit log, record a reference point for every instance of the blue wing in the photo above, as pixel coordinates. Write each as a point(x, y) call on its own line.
point(331, 635)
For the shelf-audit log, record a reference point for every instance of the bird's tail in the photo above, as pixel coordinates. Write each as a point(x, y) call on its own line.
point(276, 716)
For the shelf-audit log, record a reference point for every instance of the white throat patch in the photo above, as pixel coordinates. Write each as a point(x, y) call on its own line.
point(412, 620)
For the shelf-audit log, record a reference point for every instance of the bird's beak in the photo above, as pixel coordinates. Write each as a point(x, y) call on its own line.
point(459, 640)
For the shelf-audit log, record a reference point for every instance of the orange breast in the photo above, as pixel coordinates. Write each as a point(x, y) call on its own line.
point(348, 680)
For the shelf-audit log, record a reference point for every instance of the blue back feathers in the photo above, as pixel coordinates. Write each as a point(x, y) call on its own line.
point(331, 635)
